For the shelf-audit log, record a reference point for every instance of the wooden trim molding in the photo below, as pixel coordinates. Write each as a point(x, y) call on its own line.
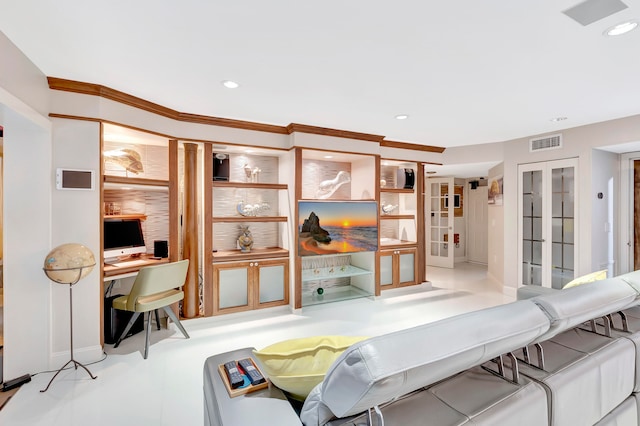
point(304, 128)
point(412, 146)
point(124, 98)
point(421, 256)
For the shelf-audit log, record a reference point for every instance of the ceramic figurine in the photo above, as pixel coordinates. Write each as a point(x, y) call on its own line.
point(328, 187)
point(245, 240)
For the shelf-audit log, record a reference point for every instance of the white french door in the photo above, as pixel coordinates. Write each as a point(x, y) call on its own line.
point(547, 206)
point(440, 218)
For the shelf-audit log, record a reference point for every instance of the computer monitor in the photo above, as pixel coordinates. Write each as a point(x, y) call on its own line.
point(122, 237)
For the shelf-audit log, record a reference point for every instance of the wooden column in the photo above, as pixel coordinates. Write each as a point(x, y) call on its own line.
point(420, 224)
point(191, 303)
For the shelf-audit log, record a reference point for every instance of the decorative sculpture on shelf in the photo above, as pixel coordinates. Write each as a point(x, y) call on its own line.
point(252, 174)
point(328, 187)
point(245, 240)
point(252, 209)
point(128, 159)
point(388, 208)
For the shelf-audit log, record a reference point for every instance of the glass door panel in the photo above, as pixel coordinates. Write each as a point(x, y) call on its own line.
point(439, 223)
point(547, 222)
point(562, 213)
point(531, 227)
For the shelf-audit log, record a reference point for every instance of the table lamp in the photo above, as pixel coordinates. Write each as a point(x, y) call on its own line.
point(68, 264)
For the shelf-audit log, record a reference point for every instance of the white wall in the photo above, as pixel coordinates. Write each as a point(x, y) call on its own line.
point(604, 211)
point(76, 215)
point(27, 224)
point(27, 221)
point(495, 223)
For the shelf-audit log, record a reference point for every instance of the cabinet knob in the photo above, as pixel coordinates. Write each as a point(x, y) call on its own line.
point(251, 264)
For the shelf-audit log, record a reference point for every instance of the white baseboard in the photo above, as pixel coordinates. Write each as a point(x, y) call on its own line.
point(82, 355)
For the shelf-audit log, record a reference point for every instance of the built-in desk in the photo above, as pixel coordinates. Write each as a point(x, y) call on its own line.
point(129, 267)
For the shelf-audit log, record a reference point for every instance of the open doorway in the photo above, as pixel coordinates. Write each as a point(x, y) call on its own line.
point(456, 216)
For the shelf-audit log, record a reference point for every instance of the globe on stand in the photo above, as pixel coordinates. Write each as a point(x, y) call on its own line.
point(68, 264)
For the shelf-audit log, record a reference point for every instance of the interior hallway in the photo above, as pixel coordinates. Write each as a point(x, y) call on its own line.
point(166, 389)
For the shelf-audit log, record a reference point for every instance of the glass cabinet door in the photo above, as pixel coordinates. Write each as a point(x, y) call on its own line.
point(272, 279)
point(232, 285)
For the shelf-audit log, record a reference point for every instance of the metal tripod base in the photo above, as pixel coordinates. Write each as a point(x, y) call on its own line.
point(76, 364)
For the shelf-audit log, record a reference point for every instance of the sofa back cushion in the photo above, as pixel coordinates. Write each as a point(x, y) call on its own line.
point(568, 308)
point(379, 369)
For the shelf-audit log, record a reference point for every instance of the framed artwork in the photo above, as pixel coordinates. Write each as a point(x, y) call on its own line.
point(495, 190)
point(330, 227)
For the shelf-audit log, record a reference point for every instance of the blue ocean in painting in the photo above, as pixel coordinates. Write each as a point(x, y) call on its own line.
point(354, 238)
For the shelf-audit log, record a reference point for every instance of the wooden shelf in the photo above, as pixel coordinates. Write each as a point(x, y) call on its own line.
point(397, 190)
point(135, 181)
point(334, 295)
point(396, 216)
point(126, 216)
point(333, 272)
point(232, 219)
point(223, 184)
point(254, 254)
point(397, 244)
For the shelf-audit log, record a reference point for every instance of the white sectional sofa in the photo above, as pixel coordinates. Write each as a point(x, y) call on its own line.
point(569, 358)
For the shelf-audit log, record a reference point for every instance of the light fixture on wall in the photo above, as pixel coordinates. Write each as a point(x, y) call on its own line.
point(68, 264)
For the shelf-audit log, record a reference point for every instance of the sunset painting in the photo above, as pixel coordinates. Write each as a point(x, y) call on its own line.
point(326, 227)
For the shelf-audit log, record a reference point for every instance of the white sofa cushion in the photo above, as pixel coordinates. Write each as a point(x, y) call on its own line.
point(379, 369)
point(625, 414)
point(487, 399)
point(633, 279)
point(568, 308)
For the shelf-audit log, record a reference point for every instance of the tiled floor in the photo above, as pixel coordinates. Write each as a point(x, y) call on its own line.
point(166, 389)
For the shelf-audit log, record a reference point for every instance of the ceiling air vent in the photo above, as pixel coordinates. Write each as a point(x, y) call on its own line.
point(548, 142)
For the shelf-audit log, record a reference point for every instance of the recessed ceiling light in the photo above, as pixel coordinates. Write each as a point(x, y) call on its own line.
point(230, 84)
point(556, 119)
point(328, 156)
point(402, 117)
point(621, 28)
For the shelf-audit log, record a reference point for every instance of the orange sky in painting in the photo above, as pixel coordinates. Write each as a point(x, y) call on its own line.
point(343, 214)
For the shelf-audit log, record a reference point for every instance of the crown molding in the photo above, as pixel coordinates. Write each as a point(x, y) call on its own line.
point(413, 146)
point(124, 98)
point(324, 131)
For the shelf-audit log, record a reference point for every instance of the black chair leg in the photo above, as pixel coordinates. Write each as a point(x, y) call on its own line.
point(157, 319)
point(146, 344)
point(175, 320)
point(133, 319)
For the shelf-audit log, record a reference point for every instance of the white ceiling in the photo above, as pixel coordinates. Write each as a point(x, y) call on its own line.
point(466, 72)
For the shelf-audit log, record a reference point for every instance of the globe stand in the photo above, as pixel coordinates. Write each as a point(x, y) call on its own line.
point(75, 363)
